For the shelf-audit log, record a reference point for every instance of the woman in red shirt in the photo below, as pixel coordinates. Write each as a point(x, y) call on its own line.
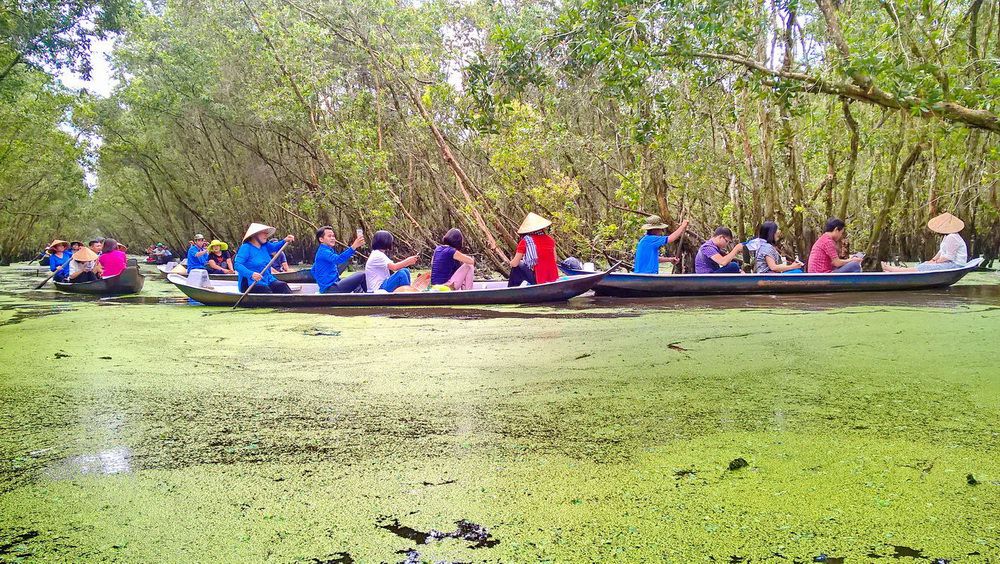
point(534, 260)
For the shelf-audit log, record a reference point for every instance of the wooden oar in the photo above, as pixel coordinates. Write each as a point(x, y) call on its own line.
point(44, 282)
point(266, 268)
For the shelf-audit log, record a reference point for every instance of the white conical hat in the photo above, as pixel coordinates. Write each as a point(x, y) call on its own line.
point(946, 224)
point(256, 228)
point(533, 222)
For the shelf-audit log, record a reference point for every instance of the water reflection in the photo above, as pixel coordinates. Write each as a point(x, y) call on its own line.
point(115, 460)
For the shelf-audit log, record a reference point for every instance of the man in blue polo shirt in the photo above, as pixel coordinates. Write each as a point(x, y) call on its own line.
point(197, 256)
point(647, 252)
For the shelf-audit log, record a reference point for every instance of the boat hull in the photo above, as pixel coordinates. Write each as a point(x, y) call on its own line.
point(560, 290)
point(664, 285)
point(128, 282)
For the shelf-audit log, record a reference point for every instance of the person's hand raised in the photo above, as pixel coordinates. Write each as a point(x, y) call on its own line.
point(289, 238)
point(359, 242)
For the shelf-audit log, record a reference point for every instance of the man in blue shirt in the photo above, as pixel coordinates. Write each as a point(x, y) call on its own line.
point(647, 252)
point(325, 268)
point(197, 256)
point(252, 261)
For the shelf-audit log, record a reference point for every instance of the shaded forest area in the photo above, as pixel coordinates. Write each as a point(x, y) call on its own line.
point(420, 116)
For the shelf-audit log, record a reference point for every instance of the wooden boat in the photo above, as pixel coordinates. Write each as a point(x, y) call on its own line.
point(657, 285)
point(128, 282)
point(293, 277)
point(225, 293)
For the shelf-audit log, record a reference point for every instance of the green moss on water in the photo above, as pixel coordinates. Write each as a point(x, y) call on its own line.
point(214, 435)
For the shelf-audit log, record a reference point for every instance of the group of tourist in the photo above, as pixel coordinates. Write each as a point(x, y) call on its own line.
point(216, 258)
point(825, 256)
point(74, 262)
point(158, 254)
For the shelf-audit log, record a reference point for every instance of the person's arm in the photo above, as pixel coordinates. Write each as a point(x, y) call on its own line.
point(464, 258)
point(678, 232)
point(73, 275)
point(212, 264)
point(408, 261)
point(342, 257)
point(98, 268)
point(775, 267)
point(244, 270)
point(516, 261)
point(229, 264)
point(723, 260)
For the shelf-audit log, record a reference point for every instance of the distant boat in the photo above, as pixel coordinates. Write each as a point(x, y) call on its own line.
point(226, 293)
point(128, 282)
point(657, 285)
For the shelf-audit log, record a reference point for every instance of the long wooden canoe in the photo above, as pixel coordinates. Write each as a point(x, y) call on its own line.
point(128, 282)
point(225, 293)
point(293, 277)
point(657, 285)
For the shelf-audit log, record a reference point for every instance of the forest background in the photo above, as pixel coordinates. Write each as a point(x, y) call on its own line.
point(423, 115)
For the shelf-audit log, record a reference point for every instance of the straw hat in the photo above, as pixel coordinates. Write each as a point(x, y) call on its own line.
point(56, 242)
point(256, 228)
point(654, 222)
point(946, 224)
point(84, 255)
point(533, 222)
point(222, 246)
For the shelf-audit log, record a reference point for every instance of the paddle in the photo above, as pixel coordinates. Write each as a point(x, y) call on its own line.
point(44, 282)
point(266, 268)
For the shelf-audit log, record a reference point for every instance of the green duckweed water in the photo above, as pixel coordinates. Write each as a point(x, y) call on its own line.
point(168, 432)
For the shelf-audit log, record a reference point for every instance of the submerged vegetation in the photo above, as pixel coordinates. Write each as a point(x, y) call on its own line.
point(663, 434)
point(428, 115)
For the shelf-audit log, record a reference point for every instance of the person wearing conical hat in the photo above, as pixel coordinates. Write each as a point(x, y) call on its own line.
point(647, 252)
point(85, 266)
point(59, 259)
point(220, 260)
point(953, 253)
point(534, 259)
point(197, 255)
point(252, 260)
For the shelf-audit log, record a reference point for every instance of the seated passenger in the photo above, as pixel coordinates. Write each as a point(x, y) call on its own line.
point(951, 254)
point(647, 252)
point(59, 259)
point(825, 254)
point(326, 264)
point(85, 266)
point(252, 260)
point(380, 272)
point(281, 263)
point(197, 254)
point(768, 260)
point(534, 259)
point(710, 259)
point(113, 260)
point(219, 259)
point(97, 245)
point(450, 266)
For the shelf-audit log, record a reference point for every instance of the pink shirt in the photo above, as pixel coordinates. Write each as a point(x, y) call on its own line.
point(112, 263)
point(822, 255)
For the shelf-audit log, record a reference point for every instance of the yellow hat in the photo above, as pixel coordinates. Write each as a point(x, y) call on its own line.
point(946, 224)
point(84, 255)
point(533, 222)
point(220, 244)
point(256, 228)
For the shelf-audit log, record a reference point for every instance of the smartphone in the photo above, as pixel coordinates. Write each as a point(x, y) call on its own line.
point(360, 232)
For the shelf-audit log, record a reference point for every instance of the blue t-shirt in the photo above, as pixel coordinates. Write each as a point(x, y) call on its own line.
point(325, 268)
point(60, 264)
point(251, 259)
point(647, 254)
point(196, 261)
point(703, 263)
point(443, 264)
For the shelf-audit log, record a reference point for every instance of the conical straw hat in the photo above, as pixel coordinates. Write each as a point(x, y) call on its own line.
point(56, 242)
point(533, 222)
point(84, 255)
point(946, 224)
point(256, 228)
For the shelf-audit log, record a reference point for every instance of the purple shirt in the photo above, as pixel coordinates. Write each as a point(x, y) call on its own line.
point(703, 263)
point(443, 265)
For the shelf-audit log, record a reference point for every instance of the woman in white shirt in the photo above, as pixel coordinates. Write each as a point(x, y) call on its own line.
point(951, 254)
point(380, 272)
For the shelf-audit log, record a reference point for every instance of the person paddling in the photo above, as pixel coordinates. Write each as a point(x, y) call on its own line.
point(534, 259)
point(253, 257)
point(325, 268)
point(953, 253)
point(647, 252)
point(59, 259)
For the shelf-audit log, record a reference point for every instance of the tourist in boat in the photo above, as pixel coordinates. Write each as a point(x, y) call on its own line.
point(326, 264)
point(220, 260)
point(380, 272)
point(197, 255)
point(113, 261)
point(59, 259)
point(710, 258)
point(450, 266)
point(825, 258)
point(281, 263)
point(647, 252)
point(953, 253)
point(768, 260)
point(253, 257)
point(85, 266)
point(534, 259)
point(75, 246)
point(96, 245)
